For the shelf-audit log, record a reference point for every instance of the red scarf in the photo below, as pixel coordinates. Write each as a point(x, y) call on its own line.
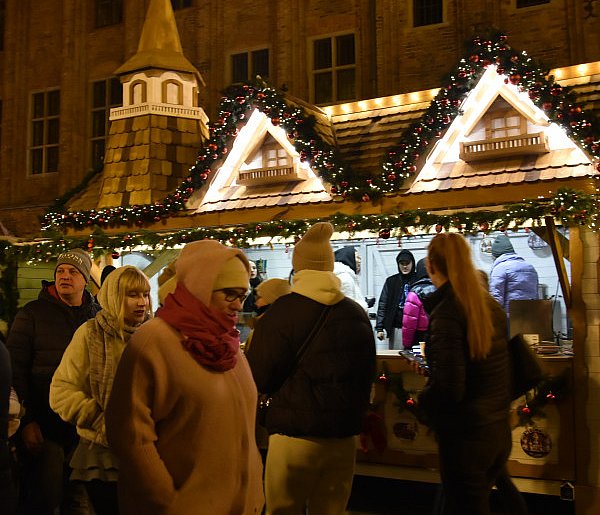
point(208, 335)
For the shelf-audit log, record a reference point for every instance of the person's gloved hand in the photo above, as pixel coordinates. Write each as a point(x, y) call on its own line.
point(380, 335)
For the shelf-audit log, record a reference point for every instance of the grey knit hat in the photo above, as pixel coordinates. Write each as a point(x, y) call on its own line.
point(501, 245)
point(78, 258)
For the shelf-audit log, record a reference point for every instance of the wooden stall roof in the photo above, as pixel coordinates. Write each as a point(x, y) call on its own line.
point(363, 132)
point(366, 129)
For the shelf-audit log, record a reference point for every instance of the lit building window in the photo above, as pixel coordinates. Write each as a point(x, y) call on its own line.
point(334, 69)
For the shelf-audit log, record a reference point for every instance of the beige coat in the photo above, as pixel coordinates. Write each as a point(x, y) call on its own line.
point(184, 435)
point(70, 391)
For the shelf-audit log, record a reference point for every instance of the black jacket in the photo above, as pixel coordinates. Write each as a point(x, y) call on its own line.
point(393, 293)
point(463, 393)
point(40, 333)
point(328, 395)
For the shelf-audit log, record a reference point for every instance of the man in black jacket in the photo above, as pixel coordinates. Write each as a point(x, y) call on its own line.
point(390, 309)
point(40, 333)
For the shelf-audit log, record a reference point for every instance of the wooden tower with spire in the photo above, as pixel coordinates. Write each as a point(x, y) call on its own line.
point(155, 136)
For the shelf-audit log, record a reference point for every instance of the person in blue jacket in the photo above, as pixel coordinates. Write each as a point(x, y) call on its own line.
point(511, 277)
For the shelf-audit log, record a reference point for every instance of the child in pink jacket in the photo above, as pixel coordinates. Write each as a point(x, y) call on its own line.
point(415, 320)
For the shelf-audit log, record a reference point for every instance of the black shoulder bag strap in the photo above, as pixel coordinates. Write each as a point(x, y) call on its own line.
point(265, 399)
point(313, 333)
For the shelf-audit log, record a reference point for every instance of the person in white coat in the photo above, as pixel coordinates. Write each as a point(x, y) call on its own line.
point(347, 268)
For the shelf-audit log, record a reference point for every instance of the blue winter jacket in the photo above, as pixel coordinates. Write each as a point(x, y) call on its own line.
point(512, 278)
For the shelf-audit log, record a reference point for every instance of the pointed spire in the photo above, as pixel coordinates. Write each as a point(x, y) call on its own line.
point(159, 46)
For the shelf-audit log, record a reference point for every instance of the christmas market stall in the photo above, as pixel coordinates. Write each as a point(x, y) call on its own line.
point(502, 146)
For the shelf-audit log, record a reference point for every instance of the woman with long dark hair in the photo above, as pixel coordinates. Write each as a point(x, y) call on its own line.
point(466, 400)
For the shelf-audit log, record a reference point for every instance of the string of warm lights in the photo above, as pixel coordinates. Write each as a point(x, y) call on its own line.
point(568, 207)
point(399, 163)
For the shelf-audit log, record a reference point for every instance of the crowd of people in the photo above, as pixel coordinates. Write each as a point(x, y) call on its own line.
point(126, 410)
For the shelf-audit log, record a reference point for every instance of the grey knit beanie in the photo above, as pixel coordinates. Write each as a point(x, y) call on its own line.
point(501, 245)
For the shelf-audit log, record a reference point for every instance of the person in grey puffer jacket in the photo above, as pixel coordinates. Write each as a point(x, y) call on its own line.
point(511, 277)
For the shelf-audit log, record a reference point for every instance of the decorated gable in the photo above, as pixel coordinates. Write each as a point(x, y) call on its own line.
point(262, 168)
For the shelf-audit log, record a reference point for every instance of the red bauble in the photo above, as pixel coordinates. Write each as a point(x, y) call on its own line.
point(115, 255)
point(384, 234)
point(410, 402)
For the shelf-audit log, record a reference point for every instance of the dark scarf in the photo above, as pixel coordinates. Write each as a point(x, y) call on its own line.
point(208, 335)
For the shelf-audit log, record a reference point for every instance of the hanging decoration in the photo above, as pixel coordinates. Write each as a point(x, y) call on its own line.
point(394, 383)
point(550, 390)
point(568, 208)
point(534, 242)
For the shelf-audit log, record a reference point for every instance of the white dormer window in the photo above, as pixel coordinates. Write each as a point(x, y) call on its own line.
point(505, 124)
point(505, 133)
point(269, 163)
point(275, 156)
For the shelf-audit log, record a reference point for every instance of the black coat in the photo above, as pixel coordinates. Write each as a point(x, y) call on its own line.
point(40, 333)
point(393, 293)
point(328, 395)
point(462, 393)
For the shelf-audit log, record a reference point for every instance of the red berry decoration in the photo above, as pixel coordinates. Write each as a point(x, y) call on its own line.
point(383, 379)
point(550, 396)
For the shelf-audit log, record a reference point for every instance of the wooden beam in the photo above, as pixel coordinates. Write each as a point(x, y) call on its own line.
point(559, 257)
point(160, 260)
point(543, 233)
point(452, 200)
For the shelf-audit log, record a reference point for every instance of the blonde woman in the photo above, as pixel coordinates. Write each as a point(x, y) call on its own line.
point(83, 381)
point(466, 400)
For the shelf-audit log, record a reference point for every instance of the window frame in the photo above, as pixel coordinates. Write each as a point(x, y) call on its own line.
point(333, 69)
point(250, 64)
point(2, 23)
point(45, 147)
point(505, 114)
point(107, 13)
point(530, 3)
point(94, 139)
point(426, 23)
point(177, 5)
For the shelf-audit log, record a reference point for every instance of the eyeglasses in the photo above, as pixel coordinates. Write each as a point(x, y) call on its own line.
point(233, 295)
